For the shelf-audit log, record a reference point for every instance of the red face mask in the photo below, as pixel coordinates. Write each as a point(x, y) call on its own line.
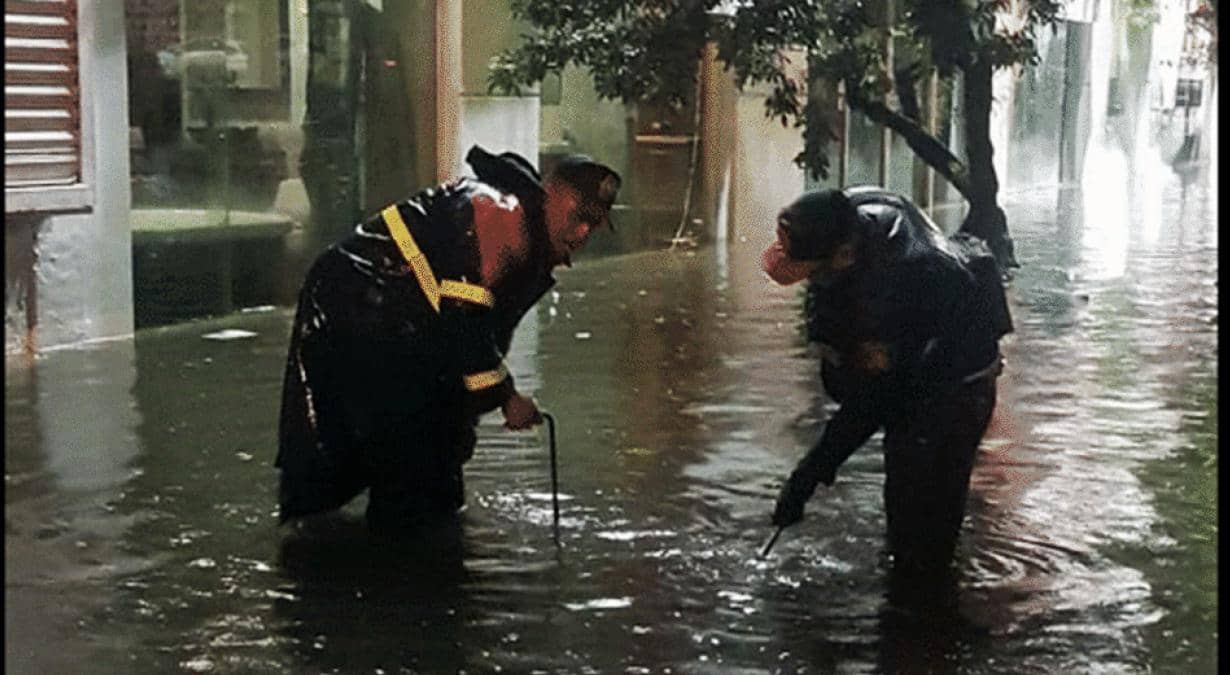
point(781, 267)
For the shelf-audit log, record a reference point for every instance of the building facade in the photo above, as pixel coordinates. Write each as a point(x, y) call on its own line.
point(221, 143)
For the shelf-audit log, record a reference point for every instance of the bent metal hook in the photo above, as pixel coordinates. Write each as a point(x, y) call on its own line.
point(554, 474)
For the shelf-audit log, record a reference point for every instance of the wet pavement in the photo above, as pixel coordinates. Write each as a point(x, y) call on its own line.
point(141, 537)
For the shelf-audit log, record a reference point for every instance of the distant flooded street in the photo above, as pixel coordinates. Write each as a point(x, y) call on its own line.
point(141, 535)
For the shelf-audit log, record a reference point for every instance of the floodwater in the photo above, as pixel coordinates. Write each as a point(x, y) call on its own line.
point(140, 534)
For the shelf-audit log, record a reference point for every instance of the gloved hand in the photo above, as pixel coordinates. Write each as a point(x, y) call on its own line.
point(795, 493)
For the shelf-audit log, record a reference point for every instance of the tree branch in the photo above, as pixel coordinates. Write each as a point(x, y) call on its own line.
point(907, 94)
point(926, 146)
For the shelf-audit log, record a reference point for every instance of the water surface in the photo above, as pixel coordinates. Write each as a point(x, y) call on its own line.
point(140, 499)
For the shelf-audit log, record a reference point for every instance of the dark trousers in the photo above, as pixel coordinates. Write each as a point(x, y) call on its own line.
point(928, 458)
point(418, 481)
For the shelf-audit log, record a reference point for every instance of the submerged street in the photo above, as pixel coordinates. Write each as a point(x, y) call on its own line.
point(141, 534)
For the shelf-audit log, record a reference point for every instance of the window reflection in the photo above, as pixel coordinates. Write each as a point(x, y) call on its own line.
point(214, 151)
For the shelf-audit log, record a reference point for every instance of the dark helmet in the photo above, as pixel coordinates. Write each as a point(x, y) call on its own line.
point(509, 172)
point(817, 223)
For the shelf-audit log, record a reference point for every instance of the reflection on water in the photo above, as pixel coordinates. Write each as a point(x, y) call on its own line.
point(141, 536)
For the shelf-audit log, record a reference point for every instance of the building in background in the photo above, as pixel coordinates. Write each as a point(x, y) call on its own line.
point(214, 146)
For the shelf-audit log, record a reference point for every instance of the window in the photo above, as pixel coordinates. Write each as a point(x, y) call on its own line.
point(44, 139)
point(1188, 93)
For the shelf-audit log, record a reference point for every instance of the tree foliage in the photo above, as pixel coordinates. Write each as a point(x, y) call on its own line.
point(1204, 18)
point(647, 50)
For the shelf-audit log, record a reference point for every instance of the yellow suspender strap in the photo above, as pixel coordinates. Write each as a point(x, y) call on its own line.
point(487, 378)
point(457, 290)
point(410, 251)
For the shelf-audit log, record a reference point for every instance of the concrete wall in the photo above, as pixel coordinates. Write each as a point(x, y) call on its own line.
point(68, 278)
point(399, 112)
point(426, 99)
point(498, 123)
point(593, 126)
point(765, 177)
point(400, 116)
point(487, 28)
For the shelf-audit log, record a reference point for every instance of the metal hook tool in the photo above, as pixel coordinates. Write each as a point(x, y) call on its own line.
point(554, 475)
point(772, 540)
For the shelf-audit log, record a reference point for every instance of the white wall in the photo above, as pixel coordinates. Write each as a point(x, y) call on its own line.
point(765, 177)
point(498, 123)
point(77, 286)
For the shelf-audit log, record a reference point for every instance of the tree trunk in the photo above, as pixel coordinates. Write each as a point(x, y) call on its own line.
point(985, 220)
point(976, 181)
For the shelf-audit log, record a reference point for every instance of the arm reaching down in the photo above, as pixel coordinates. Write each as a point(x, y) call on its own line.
point(842, 435)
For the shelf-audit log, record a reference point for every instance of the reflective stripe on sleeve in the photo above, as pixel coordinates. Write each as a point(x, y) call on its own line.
point(460, 290)
point(485, 379)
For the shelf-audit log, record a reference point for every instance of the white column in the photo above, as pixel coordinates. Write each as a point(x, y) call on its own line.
point(83, 261)
point(298, 20)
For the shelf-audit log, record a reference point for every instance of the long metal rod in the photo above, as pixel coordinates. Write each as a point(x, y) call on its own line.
point(554, 475)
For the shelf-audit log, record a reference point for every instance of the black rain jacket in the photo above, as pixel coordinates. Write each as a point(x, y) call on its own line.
point(918, 316)
point(393, 359)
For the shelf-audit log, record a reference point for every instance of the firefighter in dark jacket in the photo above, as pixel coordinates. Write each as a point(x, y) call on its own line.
point(398, 341)
point(908, 324)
